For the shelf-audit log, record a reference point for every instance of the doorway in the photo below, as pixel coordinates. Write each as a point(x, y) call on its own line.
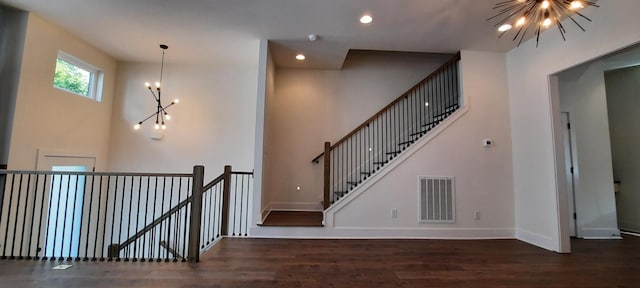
point(569, 147)
point(65, 203)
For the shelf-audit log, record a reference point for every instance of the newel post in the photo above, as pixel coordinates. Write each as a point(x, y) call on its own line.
point(327, 174)
point(226, 195)
point(196, 214)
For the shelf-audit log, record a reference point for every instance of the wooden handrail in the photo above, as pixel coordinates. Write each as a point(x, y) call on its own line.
point(168, 214)
point(154, 223)
point(451, 61)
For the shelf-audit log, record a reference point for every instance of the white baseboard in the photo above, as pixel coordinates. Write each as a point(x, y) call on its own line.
point(382, 233)
point(536, 239)
point(600, 233)
point(626, 226)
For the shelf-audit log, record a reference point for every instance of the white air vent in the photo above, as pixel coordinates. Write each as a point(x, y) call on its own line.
point(436, 199)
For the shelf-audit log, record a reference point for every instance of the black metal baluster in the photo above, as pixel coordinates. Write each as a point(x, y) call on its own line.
point(73, 214)
point(33, 217)
point(82, 217)
point(204, 232)
point(38, 249)
point(143, 257)
point(126, 255)
point(169, 219)
point(153, 241)
point(241, 201)
point(186, 224)
point(219, 207)
point(95, 242)
point(235, 203)
point(15, 223)
point(177, 233)
point(104, 225)
point(24, 218)
point(211, 229)
point(162, 224)
point(135, 242)
point(124, 185)
point(86, 247)
point(113, 221)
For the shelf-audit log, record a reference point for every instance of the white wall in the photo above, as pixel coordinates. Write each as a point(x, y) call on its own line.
point(535, 146)
point(213, 125)
point(53, 120)
point(310, 107)
point(624, 105)
point(483, 179)
point(583, 95)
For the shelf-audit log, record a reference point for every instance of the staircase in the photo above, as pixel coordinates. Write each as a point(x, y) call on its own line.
point(350, 161)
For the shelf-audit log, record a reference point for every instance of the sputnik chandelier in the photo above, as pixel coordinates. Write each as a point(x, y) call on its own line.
point(161, 114)
point(537, 15)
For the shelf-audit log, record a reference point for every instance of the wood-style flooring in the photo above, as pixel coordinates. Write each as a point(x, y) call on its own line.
point(356, 263)
point(293, 218)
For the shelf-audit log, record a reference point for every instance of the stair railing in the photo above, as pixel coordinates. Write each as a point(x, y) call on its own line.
point(386, 134)
point(92, 216)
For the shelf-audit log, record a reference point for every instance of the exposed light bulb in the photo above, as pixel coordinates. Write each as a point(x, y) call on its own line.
point(545, 4)
point(505, 27)
point(136, 127)
point(546, 23)
point(157, 126)
point(176, 101)
point(575, 5)
point(300, 57)
point(164, 127)
point(167, 116)
point(366, 19)
point(158, 84)
point(370, 149)
point(426, 104)
point(147, 84)
point(521, 21)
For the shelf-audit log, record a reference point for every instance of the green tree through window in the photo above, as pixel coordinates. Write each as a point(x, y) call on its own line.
point(72, 78)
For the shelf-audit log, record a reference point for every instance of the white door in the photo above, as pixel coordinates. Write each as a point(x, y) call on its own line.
point(65, 204)
point(569, 167)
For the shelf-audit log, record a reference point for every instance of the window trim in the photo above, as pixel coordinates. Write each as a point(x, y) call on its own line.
point(95, 78)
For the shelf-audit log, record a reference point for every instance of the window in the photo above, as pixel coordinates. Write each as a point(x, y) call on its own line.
point(78, 77)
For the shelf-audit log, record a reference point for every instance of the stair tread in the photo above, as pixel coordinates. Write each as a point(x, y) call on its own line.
point(294, 219)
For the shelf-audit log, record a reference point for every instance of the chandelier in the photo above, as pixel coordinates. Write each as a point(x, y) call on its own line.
point(161, 114)
point(538, 15)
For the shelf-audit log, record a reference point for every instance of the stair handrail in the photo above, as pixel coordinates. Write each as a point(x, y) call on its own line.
point(433, 74)
point(166, 215)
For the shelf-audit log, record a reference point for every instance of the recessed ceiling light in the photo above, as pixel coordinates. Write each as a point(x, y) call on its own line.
point(366, 19)
point(300, 57)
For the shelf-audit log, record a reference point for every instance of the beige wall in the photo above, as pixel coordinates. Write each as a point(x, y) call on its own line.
point(310, 107)
point(213, 125)
point(51, 120)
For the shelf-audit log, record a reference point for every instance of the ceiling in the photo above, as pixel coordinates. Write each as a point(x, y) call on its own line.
point(227, 31)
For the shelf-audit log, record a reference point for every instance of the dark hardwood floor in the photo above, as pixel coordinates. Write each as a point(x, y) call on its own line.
point(293, 218)
point(356, 263)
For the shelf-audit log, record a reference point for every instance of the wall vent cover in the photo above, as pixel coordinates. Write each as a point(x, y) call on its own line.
point(436, 199)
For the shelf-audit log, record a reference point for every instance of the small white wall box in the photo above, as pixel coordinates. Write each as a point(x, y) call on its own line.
point(487, 142)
